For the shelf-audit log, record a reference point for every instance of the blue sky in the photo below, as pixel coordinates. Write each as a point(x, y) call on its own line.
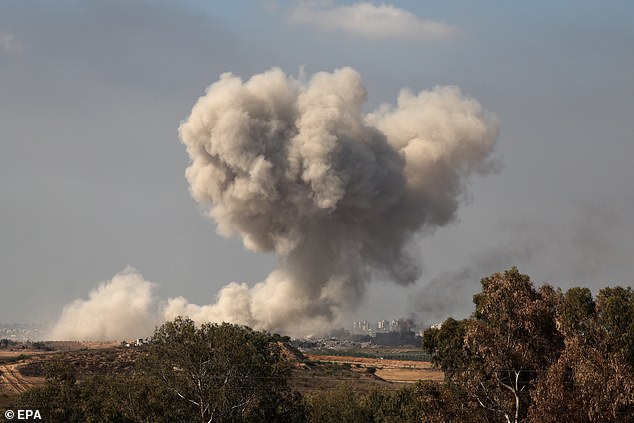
point(91, 170)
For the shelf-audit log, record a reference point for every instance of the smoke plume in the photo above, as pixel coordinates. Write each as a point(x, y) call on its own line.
point(580, 250)
point(121, 308)
point(296, 167)
point(450, 293)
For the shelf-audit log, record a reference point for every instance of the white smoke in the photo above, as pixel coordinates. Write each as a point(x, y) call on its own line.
point(121, 308)
point(296, 167)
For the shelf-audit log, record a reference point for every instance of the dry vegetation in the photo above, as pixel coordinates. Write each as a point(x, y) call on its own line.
point(400, 371)
point(22, 368)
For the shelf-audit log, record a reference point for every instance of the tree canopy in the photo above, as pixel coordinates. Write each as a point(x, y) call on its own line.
point(207, 373)
point(537, 355)
point(223, 372)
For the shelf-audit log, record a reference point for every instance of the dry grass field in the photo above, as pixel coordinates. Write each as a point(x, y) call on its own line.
point(12, 382)
point(400, 371)
point(21, 366)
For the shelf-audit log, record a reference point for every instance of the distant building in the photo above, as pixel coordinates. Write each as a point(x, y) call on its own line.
point(361, 327)
point(383, 326)
point(22, 331)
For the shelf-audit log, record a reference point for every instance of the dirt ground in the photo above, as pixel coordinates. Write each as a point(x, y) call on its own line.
point(403, 371)
point(15, 383)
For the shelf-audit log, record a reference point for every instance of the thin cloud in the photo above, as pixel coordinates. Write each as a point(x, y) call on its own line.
point(9, 42)
point(367, 20)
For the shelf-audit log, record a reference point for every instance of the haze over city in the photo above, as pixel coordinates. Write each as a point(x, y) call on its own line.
point(98, 130)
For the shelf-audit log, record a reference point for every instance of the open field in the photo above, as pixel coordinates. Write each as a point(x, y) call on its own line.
point(13, 382)
point(400, 371)
point(314, 376)
point(21, 367)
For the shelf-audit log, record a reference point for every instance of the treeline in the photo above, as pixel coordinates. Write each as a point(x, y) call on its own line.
point(525, 355)
point(5, 343)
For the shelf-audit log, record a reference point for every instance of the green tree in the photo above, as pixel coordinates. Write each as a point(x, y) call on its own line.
point(346, 404)
point(129, 398)
point(341, 404)
point(615, 311)
point(223, 372)
point(391, 406)
point(4, 343)
point(446, 346)
point(577, 312)
point(111, 398)
point(58, 398)
point(211, 373)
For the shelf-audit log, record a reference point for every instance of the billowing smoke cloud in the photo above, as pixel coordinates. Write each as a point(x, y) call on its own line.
point(122, 308)
point(297, 168)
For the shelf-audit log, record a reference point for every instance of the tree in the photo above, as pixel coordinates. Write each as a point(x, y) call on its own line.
point(577, 313)
point(535, 355)
point(494, 358)
point(58, 400)
point(347, 404)
point(447, 403)
point(512, 338)
point(112, 398)
point(223, 372)
point(592, 381)
point(341, 404)
point(585, 386)
point(446, 346)
point(615, 313)
point(211, 373)
point(4, 343)
point(384, 406)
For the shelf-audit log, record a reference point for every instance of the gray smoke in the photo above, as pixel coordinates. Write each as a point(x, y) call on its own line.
point(295, 167)
point(450, 293)
point(580, 250)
